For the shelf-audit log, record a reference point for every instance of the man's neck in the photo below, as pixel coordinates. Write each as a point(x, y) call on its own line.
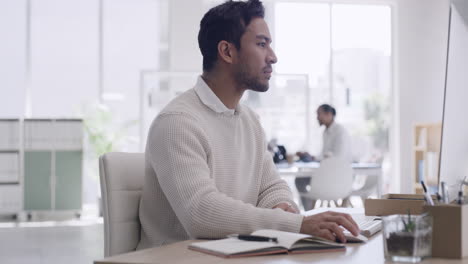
point(329, 124)
point(224, 87)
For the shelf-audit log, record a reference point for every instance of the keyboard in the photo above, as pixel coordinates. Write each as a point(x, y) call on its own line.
point(369, 225)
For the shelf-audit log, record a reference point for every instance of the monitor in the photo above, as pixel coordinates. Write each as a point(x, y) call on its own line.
point(454, 145)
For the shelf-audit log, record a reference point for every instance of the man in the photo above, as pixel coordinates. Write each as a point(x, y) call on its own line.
point(208, 171)
point(336, 142)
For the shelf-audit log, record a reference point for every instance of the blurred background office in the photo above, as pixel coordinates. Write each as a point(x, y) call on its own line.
point(109, 66)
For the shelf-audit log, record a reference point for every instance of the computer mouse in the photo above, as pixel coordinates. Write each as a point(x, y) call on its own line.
point(350, 238)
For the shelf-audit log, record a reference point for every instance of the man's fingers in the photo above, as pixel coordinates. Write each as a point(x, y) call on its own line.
point(334, 228)
point(327, 234)
point(350, 218)
point(345, 222)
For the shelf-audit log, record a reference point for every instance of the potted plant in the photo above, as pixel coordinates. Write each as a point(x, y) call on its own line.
point(103, 134)
point(407, 237)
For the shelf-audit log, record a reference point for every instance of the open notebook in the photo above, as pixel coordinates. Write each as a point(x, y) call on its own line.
point(291, 243)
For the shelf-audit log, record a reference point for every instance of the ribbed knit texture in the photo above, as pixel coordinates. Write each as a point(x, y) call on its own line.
point(208, 175)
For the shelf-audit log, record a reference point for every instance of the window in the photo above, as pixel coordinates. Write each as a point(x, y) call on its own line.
point(344, 50)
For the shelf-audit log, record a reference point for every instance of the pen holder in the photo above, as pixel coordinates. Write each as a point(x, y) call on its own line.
point(450, 230)
point(407, 238)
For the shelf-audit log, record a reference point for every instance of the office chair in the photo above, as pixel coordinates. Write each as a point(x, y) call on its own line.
point(332, 181)
point(122, 178)
point(367, 188)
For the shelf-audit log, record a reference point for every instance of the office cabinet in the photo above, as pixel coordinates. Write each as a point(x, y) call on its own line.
point(68, 171)
point(10, 169)
point(53, 158)
point(37, 180)
point(10, 198)
point(40, 165)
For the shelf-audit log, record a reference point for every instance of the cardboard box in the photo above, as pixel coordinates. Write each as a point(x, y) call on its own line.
point(449, 230)
point(391, 204)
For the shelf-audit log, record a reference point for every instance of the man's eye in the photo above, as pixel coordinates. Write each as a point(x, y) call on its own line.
point(262, 44)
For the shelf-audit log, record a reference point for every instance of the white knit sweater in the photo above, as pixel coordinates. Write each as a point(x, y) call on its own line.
point(208, 174)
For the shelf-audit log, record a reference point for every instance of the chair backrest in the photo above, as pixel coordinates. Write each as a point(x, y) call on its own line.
point(369, 186)
point(122, 178)
point(333, 180)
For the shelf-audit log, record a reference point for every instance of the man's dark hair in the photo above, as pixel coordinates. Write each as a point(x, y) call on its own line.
point(328, 109)
point(225, 22)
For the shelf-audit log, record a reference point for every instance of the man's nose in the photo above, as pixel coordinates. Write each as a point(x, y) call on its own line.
point(272, 59)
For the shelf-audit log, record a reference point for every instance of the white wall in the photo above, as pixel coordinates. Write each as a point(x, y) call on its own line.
point(184, 24)
point(12, 58)
point(421, 46)
point(64, 48)
point(130, 44)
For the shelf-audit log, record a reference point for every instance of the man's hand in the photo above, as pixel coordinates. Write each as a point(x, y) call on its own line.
point(328, 225)
point(286, 207)
point(305, 156)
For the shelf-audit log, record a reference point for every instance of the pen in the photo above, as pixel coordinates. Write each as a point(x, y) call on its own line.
point(460, 197)
point(460, 192)
point(255, 238)
point(444, 191)
point(426, 194)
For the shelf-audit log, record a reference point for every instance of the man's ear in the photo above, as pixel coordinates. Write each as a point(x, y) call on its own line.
point(226, 51)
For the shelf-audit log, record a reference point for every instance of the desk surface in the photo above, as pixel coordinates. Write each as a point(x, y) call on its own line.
point(370, 252)
point(316, 165)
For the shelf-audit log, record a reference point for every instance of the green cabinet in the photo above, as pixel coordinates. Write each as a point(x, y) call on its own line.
point(37, 180)
point(68, 180)
point(52, 180)
point(53, 162)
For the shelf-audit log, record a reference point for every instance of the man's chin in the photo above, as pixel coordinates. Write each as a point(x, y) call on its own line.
point(260, 89)
point(259, 86)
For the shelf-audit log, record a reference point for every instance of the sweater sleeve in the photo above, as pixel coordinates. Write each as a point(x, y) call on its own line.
point(273, 189)
point(179, 151)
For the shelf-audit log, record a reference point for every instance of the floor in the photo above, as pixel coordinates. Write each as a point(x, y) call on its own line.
point(50, 242)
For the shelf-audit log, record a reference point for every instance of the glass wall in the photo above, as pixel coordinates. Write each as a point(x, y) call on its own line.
point(345, 50)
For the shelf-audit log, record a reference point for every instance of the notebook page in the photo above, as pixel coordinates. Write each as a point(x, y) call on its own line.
point(285, 239)
point(229, 246)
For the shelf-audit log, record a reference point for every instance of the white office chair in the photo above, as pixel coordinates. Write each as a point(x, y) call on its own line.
point(332, 181)
point(368, 187)
point(122, 178)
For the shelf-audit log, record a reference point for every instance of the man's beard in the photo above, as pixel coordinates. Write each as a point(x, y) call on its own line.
point(244, 79)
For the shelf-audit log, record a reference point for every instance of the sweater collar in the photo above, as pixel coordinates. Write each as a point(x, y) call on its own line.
point(209, 98)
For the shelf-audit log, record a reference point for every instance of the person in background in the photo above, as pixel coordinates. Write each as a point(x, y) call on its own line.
point(208, 171)
point(336, 142)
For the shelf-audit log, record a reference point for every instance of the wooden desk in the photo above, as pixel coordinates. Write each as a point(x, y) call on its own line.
point(306, 169)
point(371, 252)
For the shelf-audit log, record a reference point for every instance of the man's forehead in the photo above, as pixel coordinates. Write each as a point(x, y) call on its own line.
point(258, 28)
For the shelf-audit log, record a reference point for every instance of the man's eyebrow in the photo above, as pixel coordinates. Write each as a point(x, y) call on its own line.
point(263, 37)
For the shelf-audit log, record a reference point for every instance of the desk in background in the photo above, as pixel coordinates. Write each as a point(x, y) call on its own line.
point(306, 169)
point(370, 252)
